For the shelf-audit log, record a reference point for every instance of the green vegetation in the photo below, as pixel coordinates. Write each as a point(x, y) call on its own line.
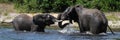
point(5, 25)
point(42, 5)
point(6, 1)
point(113, 16)
point(60, 5)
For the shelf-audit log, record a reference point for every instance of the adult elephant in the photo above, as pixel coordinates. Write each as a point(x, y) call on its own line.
point(92, 20)
point(23, 22)
point(43, 20)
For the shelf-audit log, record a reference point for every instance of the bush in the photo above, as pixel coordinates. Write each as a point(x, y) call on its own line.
point(61, 5)
point(6, 1)
point(42, 5)
point(104, 5)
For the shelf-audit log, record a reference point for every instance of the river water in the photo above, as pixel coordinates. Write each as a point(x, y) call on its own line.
point(10, 34)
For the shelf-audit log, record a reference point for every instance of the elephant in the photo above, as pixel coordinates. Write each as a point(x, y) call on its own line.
point(43, 20)
point(92, 20)
point(23, 22)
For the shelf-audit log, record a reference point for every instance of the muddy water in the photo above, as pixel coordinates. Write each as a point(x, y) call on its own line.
point(10, 34)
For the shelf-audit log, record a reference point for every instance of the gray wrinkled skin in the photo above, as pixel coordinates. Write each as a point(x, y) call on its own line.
point(92, 20)
point(43, 20)
point(23, 22)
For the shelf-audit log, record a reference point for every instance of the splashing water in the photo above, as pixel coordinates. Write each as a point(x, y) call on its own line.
point(68, 29)
point(10, 34)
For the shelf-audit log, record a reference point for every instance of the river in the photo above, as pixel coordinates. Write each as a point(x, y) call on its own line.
point(50, 34)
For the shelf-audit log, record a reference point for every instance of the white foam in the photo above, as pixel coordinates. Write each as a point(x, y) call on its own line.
point(68, 29)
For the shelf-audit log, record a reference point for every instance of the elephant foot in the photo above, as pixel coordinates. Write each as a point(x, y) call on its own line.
point(88, 32)
point(17, 30)
point(102, 34)
point(40, 31)
point(24, 31)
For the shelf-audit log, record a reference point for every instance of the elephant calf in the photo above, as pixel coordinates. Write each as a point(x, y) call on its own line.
point(23, 22)
point(43, 20)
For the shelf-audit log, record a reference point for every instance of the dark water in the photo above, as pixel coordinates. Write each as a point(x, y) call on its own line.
point(10, 34)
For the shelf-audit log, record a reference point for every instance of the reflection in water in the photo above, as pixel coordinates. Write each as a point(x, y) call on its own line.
point(9, 34)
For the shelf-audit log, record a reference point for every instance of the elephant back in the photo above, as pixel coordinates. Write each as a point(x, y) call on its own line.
point(22, 22)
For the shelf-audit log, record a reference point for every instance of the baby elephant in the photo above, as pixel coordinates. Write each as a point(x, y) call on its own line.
point(43, 20)
point(23, 22)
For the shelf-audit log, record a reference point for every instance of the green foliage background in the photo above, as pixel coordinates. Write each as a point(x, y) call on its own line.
point(61, 5)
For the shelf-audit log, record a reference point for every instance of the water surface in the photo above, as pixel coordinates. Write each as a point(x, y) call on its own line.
point(10, 34)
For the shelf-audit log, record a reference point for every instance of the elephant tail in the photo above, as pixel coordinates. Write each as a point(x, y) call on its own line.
point(111, 30)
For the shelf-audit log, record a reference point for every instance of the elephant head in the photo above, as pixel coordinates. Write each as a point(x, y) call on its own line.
point(43, 20)
point(69, 14)
point(65, 14)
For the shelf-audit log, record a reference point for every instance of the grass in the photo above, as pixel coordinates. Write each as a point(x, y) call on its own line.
point(5, 25)
point(113, 16)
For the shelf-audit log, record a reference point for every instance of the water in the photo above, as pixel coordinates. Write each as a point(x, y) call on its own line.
point(68, 29)
point(10, 34)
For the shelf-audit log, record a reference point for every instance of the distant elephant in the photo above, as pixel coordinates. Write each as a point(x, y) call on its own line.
point(92, 20)
point(23, 22)
point(43, 20)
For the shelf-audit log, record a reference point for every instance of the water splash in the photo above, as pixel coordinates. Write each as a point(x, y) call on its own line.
point(68, 29)
point(10, 34)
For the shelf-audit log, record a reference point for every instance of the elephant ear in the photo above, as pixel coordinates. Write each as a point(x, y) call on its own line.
point(68, 10)
point(66, 13)
point(78, 8)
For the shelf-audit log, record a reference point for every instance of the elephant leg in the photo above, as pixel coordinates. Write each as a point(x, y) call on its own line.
point(33, 28)
point(41, 29)
point(85, 23)
point(93, 30)
point(99, 28)
point(95, 27)
point(80, 27)
point(103, 28)
point(16, 27)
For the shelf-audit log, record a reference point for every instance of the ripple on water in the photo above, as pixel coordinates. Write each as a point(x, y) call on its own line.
point(10, 34)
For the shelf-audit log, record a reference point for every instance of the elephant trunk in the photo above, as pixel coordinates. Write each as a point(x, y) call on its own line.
point(62, 26)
